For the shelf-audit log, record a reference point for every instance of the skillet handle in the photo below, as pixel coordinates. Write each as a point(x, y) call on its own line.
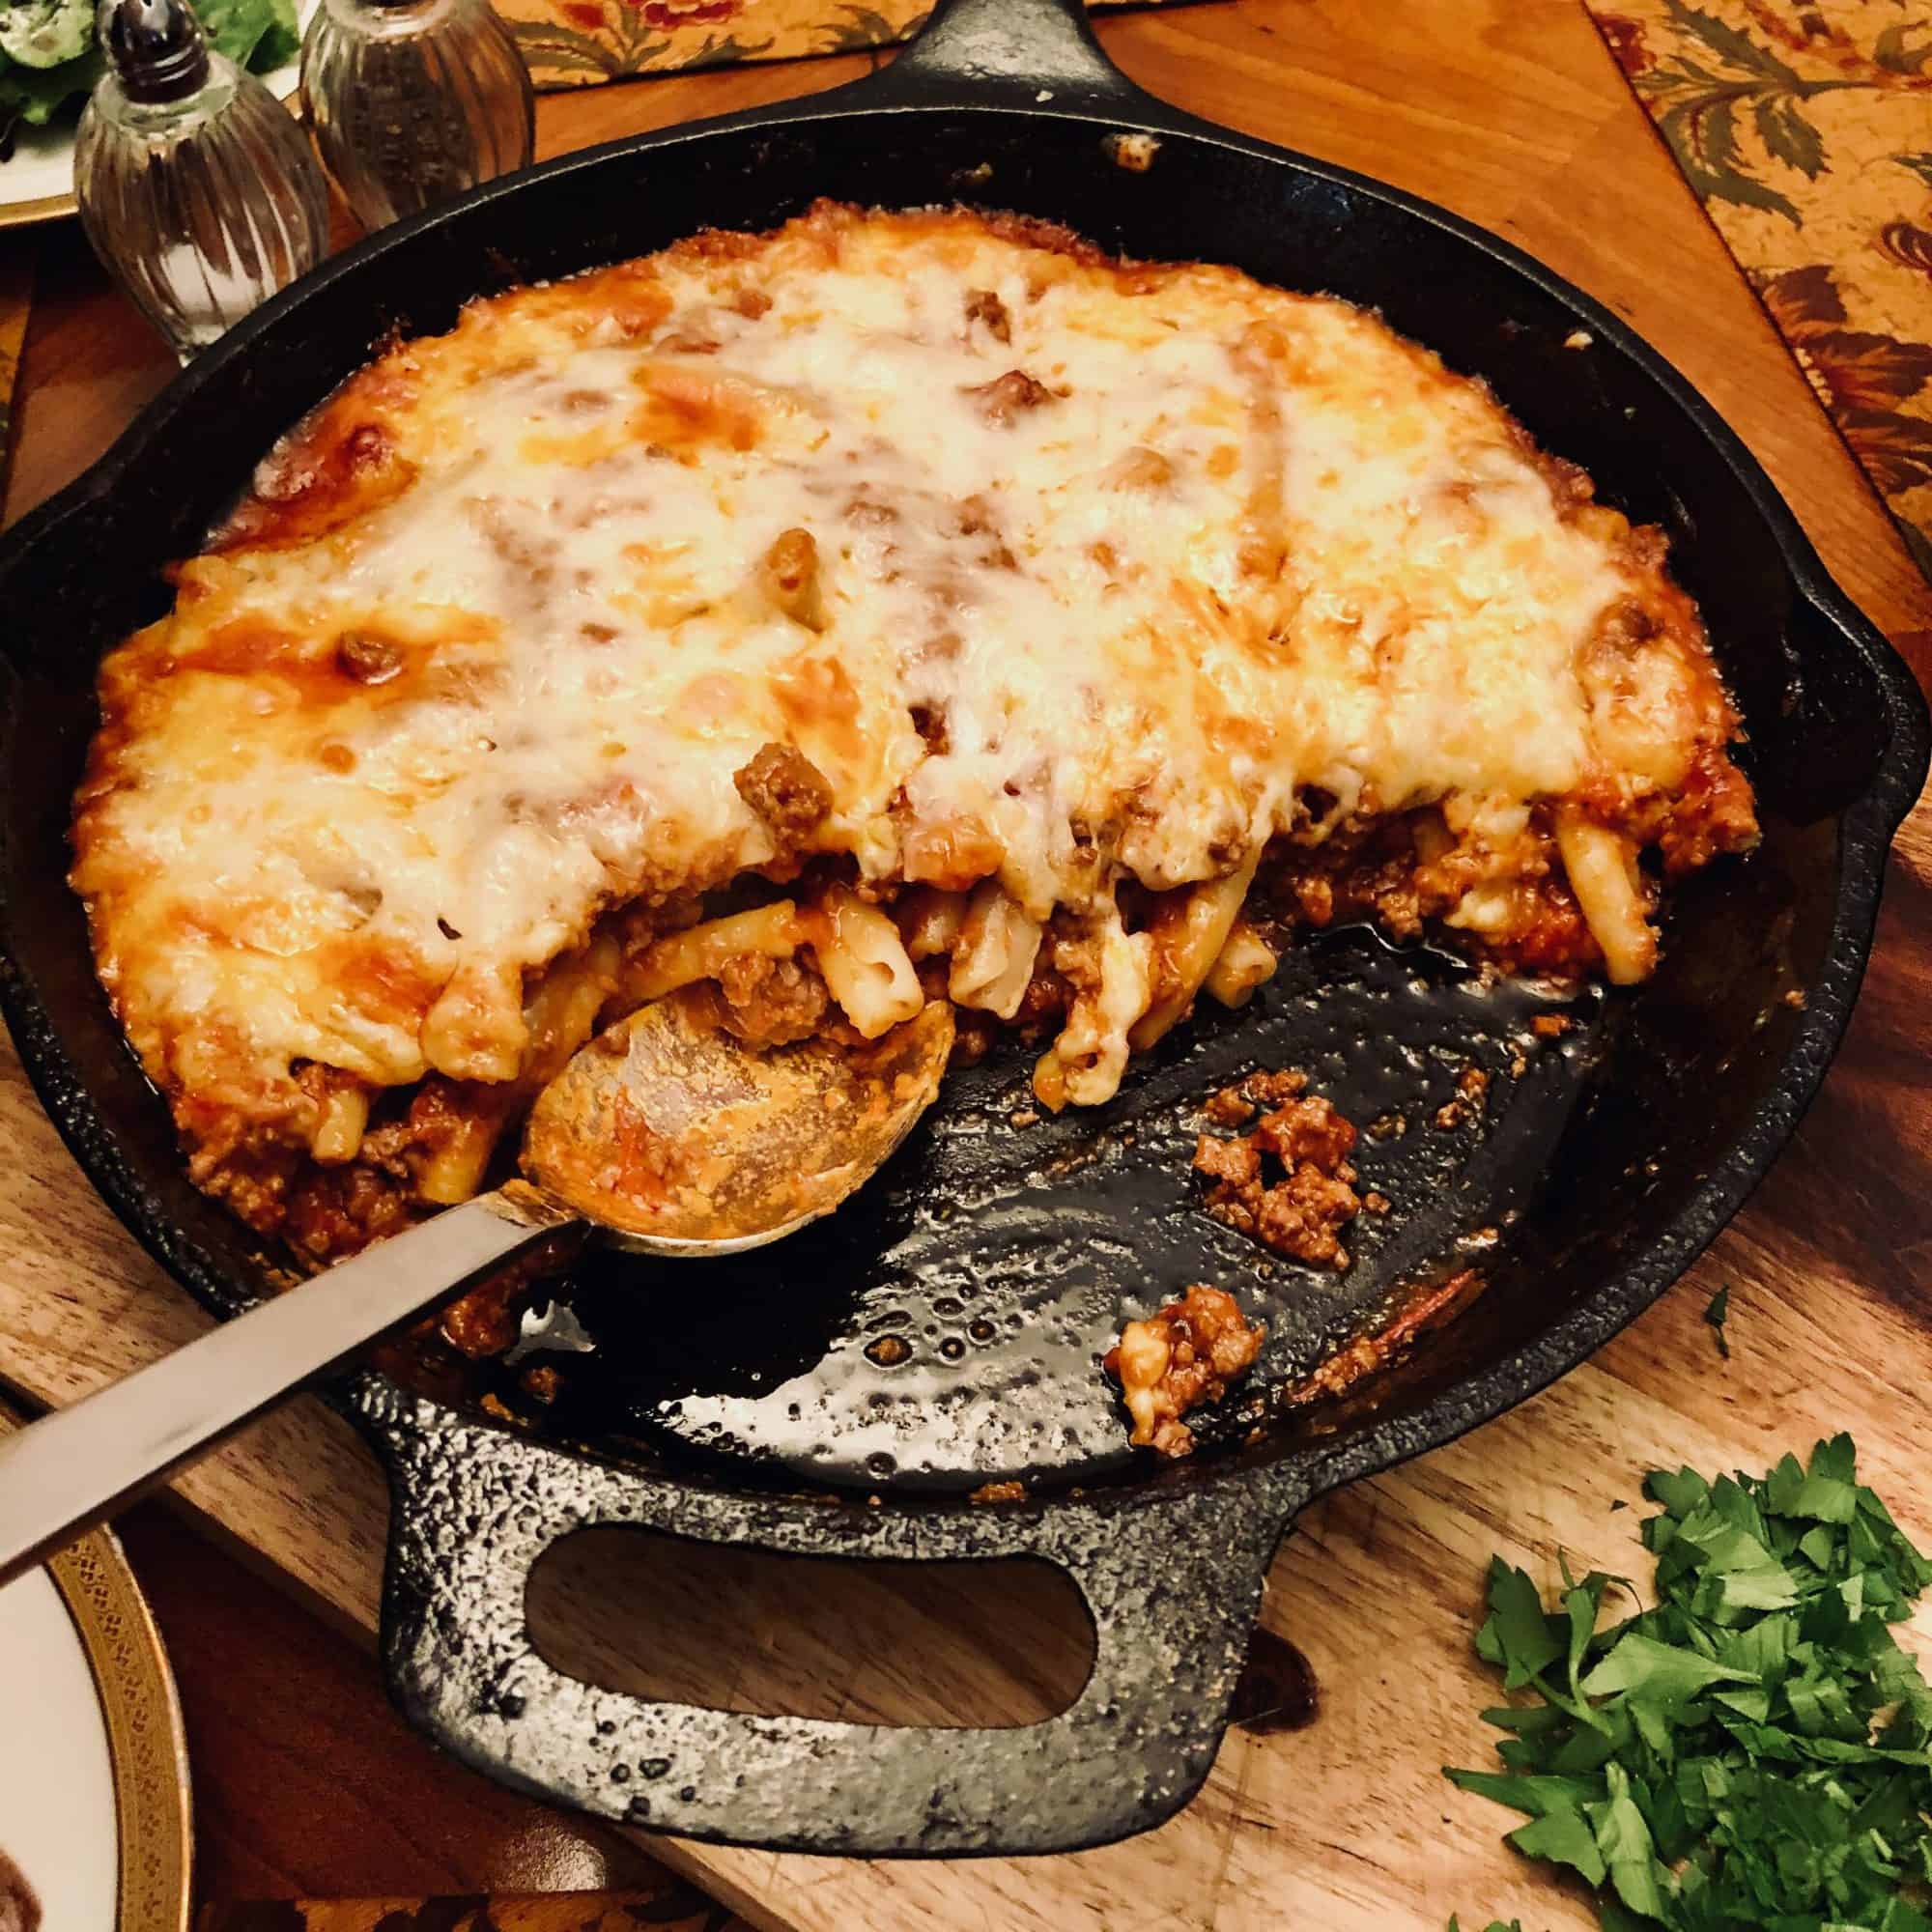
point(988, 53)
point(1172, 1585)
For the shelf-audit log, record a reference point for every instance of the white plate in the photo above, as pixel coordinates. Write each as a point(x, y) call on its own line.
point(37, 184)
point(94, 1805)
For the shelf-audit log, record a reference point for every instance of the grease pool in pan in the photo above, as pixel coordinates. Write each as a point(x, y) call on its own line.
point(944, 1329)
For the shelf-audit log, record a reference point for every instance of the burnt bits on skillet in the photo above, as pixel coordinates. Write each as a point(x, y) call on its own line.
point(946, 1328)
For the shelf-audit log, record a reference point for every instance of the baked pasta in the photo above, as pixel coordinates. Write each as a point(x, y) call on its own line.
point(892, 607)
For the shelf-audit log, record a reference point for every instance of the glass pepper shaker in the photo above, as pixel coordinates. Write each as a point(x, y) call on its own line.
point(415, 101)
point(197, 188)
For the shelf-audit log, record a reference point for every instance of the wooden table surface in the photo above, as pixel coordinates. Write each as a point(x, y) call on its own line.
point(1511, 112)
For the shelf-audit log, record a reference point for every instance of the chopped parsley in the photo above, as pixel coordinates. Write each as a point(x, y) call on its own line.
point(1716, 1315)
point(1751, 1753)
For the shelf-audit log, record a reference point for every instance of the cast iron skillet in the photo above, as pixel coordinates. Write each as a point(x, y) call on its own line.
point(1001, 1259)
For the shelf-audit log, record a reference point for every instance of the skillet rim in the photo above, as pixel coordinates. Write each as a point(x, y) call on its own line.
point(1866, 825)
point(1208, 1588)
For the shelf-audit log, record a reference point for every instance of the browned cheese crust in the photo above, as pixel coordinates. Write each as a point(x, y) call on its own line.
point(891, 607)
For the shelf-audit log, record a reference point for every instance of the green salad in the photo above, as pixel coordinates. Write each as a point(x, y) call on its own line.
point(48, 58)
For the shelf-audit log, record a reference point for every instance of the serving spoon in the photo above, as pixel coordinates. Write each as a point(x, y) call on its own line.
point(665, 1131)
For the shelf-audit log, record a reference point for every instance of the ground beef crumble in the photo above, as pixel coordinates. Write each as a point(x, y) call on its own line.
point(1286, 1181)
point(1008, 397)
point(1472, 1088)
point(770, 1002)
point(1179, 1357)
point(787, 791)
point(985, 308)
point(1009, 1492)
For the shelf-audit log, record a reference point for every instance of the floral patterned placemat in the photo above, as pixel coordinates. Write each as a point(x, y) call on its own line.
point(1806, 127)
point(579, 43)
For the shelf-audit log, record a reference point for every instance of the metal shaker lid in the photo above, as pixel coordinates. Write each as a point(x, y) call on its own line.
point(155, 48)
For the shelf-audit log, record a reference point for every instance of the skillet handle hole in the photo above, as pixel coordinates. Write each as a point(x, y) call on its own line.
point(987, 1645)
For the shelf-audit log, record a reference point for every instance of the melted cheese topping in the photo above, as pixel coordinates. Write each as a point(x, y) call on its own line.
point(1117, 567)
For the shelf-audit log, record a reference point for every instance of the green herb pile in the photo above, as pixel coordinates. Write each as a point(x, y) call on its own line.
point(1752, 1753)
point(48, 58)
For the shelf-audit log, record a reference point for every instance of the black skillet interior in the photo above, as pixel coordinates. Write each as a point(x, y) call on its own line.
point(944, 1331)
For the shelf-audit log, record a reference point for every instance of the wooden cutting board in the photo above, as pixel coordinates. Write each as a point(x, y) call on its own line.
point(1511, 112)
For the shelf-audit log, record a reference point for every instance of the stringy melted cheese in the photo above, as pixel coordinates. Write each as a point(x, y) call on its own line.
point(1247, 543)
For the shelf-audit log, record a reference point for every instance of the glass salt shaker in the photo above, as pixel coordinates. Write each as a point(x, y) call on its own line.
point(197, 188)
point(415, 101)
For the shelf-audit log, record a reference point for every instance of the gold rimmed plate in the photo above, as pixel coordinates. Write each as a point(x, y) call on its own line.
point(94, 1778)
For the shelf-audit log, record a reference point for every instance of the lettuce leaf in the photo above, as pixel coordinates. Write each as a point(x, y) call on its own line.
point(34, 95)
point(259, 33)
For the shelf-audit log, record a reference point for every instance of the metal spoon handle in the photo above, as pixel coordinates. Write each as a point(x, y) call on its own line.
point(70, 1470)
